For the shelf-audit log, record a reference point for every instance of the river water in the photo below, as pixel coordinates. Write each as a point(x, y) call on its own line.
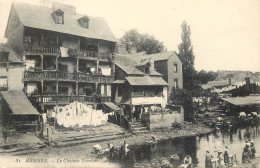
point(152, 155)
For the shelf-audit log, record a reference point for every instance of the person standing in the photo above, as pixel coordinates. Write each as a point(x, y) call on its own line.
point(252, 150)
point(226, 155)
point(220, 158)
point(208, 157)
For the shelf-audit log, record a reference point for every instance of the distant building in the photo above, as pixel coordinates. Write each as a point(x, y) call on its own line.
point(135, 87)
point(11, 69)
point(68, 56)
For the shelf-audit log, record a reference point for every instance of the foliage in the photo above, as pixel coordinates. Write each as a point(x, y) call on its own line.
point(142, 42)
point(203, 76)
point(184, 98)
point(186, 56)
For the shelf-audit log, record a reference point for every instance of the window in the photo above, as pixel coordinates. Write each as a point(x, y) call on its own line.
point(175, 67)
point(176, 83)
point(58, 16)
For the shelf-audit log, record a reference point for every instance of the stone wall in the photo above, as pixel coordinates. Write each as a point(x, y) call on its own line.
point(165, 119)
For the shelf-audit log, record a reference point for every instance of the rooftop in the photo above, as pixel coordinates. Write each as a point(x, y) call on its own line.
point(12, 56)
point(40, 17)
point(19, 103)
point(242, 101)
point(146, 81)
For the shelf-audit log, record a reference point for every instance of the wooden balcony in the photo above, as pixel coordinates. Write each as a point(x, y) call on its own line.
point(66, 76)
point(93, 55)
point(66, 99)
point(41, 50)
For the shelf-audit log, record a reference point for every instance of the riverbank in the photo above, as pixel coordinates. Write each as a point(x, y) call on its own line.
point(85, 150)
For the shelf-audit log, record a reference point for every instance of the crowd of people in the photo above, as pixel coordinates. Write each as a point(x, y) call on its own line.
point(224, 157)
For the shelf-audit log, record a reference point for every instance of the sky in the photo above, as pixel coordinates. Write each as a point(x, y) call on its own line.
point(225, 34)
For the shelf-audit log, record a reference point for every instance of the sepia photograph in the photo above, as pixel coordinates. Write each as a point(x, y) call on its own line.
point(129, 83)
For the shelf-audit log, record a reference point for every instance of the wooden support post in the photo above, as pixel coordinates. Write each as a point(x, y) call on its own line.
point(48, 136)
point(131, 114)
point(77, 68)
point(57, 87)
point(77, 88)
point(57, 63)
point(97, 67)
point(42, 62)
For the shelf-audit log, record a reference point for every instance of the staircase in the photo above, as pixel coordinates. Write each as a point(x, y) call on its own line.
point(138, 128)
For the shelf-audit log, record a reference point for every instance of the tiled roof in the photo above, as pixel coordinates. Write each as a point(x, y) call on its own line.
point(240, 101)
point(146, 81)
point(12, 56)
point(128, 64)
point(19, 103)
point(41, 18)
point(155, 57)
point(130, 70)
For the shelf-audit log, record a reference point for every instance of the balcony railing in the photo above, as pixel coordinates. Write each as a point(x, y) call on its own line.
point(66, 99)
point(41, 49)
point(33, 49)
point(56, 75)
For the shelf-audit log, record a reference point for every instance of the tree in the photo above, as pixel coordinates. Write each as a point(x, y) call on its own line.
point(142, 42)
point(187, 58)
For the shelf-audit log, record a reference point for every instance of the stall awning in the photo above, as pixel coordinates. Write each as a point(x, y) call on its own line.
point(19, 103)
point(146, 81)
point(112, 106)
point(119, 81)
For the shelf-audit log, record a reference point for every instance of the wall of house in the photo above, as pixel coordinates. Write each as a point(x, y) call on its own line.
point(69, 41)
point(105, 47)
point(3, 70)
point(69, 85)
point(161, 67)
point(119, 73)
point(174, 75)
point(14, 33)
point(165, 120)
point(71, 64)
point(15, 77)
point(117, 98)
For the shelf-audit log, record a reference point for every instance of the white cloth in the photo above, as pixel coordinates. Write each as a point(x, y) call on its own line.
point(64, 52)
point(106, 71)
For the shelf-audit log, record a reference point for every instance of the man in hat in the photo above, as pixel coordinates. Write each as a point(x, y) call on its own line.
point(208, 158)
point(226, 155)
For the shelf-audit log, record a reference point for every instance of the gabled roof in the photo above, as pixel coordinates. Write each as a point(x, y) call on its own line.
point(12, 56)
point(40, 17)
point(19, 103)
point(146, 81)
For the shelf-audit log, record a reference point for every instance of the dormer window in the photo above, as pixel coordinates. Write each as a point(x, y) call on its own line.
point(84, 22)
point(58, 16)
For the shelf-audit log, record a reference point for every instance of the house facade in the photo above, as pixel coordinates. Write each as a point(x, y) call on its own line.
point(68, 56)
point(138, 90)
point(167, 63)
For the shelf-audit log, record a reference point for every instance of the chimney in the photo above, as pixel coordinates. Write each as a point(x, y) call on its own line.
point(229, 81)
point(121, 48)
point(247, 79)
point(67, 9)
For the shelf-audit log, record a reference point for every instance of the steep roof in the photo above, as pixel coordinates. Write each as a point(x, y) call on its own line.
point(12, 56)
point(41, 18)
point(146, 81)
point(19, 103)
point(130, 70)
point(128, 64)
point(155, 57)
